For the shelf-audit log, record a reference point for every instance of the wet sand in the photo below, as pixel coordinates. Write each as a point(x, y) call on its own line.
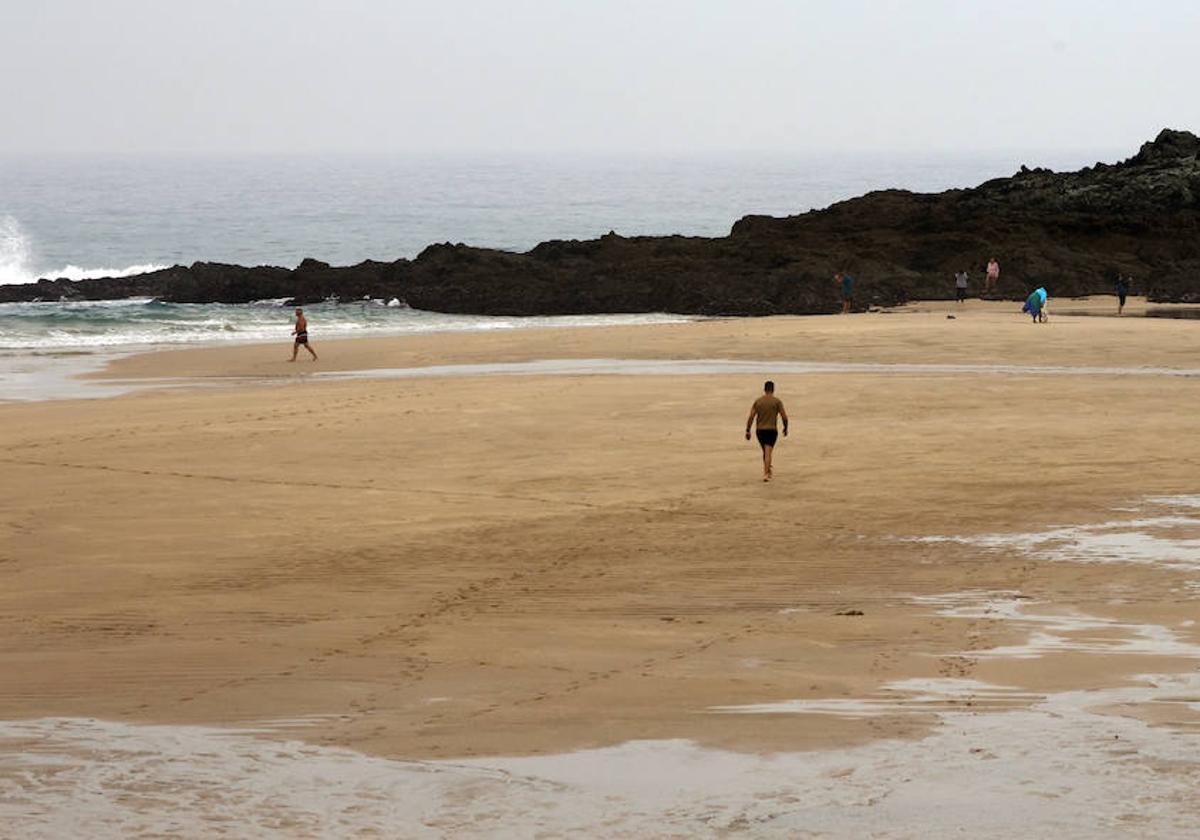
point(533, 564)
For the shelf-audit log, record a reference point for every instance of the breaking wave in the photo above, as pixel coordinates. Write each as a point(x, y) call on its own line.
point(16, 262)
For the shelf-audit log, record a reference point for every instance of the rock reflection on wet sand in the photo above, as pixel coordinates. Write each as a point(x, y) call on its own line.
point(1156, 537)
point(1062, 760)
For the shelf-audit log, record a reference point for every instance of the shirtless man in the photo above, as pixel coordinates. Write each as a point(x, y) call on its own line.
point(763, 415)
point(993, 275)
point(301, 333)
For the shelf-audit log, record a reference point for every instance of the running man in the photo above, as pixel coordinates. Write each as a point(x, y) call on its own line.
point(764, 415)
point(993, 275)
point(301, 333)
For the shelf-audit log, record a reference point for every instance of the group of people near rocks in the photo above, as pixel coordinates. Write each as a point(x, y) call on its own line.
point(768, 410)
point(1035, 304)
point(991, 278)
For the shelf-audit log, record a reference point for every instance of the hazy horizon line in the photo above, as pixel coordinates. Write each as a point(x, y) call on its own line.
point(950, 152)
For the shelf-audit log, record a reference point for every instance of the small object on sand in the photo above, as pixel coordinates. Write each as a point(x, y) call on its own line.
point(849, 612)
point(951, 318)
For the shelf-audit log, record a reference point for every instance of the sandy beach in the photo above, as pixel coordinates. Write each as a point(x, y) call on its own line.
point(474, 566)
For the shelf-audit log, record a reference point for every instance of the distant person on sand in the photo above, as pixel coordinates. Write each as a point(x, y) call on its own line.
point(764, 414)
point(847, 284)
point(301, 333)
point(1035, 304)
point(960, 286)
point(1123, 284)
point(993, 275)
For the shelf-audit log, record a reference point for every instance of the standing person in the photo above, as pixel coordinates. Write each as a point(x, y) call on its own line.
point(764, 414)
point(301, 333)
point(960, 286)
point(847, 284)
point(993, 274)
point(1123, 284)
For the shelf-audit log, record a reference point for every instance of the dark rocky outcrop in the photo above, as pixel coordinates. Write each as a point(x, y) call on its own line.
point(1071, 232)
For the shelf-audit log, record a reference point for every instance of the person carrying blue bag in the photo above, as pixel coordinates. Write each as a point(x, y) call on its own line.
point(1035, 304)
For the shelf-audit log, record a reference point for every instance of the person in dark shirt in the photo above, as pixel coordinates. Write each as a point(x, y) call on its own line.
point(847, 284)
point(1123, 284)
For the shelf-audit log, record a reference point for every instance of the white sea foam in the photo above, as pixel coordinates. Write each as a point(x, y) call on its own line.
point(74, 272)
point(16, 260)
point(14, 252)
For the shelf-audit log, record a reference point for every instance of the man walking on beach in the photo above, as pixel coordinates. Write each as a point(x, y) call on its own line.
point(301, 333)
point(764, 414)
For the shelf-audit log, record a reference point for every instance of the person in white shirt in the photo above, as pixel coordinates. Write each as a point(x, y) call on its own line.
point(960, 286)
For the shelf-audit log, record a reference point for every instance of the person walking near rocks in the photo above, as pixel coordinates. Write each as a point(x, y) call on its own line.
point(960, 286)
point(765, 413)
point(1123, 284)
point(993, 275)
point(301, 334)
point(847, 290)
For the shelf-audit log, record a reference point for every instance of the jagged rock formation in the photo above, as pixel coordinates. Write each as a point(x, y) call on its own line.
point(1071, 232)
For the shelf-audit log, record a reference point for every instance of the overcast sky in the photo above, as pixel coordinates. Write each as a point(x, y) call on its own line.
point(653, 76)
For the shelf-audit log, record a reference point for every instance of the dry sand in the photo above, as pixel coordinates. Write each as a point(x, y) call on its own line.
point(531, 564)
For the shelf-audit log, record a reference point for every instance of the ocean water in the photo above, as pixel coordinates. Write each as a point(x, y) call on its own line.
point(101, 216)
point(145, 322)
point(88, 216)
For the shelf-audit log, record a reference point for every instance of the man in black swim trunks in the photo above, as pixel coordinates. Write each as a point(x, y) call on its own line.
point(301, 333)
point(764, 414)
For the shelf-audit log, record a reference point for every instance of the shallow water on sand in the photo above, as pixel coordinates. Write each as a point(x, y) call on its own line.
point(1157, 534)
point(1184, 313)
point(1000, 760)
point(58, 381)
point(1074, 760)
point(701, 367)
